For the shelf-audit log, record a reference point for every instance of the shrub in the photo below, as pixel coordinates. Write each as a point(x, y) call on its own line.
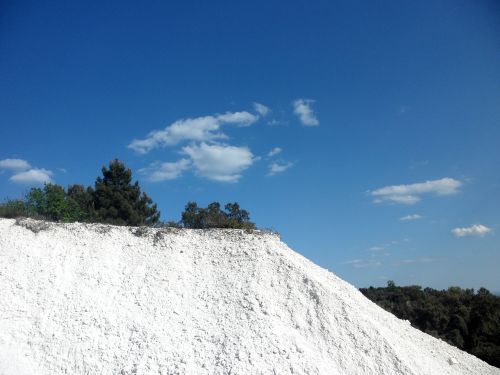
point(233, 216)
point(13, 208)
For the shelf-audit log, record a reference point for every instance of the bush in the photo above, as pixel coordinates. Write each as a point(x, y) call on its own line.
point(12, 209)
point(233, 216)
point(53, 203)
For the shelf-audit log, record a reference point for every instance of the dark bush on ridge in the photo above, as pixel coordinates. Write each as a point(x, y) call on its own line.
point(13, 208)
point(232, 216)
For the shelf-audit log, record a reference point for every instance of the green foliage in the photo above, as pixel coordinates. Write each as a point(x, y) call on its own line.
point(53, 203)
point(467, 320)
point(115, 200)
point(84, 199)
point(118, 201)
point(13, 208)
point(232, 216)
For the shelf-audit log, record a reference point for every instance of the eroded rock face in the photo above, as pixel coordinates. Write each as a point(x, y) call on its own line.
point(94, 299)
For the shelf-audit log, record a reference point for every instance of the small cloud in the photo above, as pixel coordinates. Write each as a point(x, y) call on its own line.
point(165, 171)
point(219, 162)
point(275, 151)
point(14, 164)
point(241, 119)
point(275, 122)
point(302, 108)
point(377, 248)
point(411, 194)
point(63, 170)
point(261, 109)
point(199, 129)
point(478, 230)
point(360, 263)
point(278, 167)
point(32, 176)
point(410, 217)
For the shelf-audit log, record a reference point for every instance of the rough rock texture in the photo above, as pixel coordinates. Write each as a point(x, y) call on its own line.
point(95, 299)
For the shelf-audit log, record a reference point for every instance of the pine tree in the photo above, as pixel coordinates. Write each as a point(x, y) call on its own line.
point(118, 201)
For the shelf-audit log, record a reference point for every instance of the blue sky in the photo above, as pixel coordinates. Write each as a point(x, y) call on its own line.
point(366, 133)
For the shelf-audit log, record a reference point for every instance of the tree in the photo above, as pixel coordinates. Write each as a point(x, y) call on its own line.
point(53, 203)
point(195, 217)
point(118, 201)
point(84, 199)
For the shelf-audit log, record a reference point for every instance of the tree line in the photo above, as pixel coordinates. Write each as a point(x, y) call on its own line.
point(466, 319)
point(115, 199)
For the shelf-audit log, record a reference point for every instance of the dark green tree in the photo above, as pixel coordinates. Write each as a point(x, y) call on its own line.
point(84, 199)
point(118, 201)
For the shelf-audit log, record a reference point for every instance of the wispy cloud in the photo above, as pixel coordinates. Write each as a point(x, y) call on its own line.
point(388, 244)
point(411, 194)
point(165, 171)
point(478, 230)
point(410, 217)
point(32, 176)
point(261, 109)
point(302, 108)
point(14, 164)
point(274, 151)
point(279, 167)
point(199, 129)
point(219, 162)
point(415, 261)
point(361, 263)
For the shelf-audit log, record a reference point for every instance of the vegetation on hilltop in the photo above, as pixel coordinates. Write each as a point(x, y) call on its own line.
point(114, 199)
point(466, 319)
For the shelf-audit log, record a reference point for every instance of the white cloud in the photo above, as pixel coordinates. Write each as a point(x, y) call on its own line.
point(199, 129)
point(410, 217)
point(14, 164)
point(410, 194)
point(474, 230)
point(261, 109)
point(302, 108)
point(278, 167)
point(219, 162)
point(238, 118)
point(34, 175)
point(274, 151)
point(360, 263)
point(165, 171)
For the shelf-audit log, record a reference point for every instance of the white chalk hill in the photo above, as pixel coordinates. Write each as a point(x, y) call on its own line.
point(96, 299)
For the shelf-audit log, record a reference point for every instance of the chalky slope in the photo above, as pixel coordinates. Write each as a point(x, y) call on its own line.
point(96, 299)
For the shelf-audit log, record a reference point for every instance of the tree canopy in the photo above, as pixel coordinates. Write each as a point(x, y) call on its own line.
point(114, 200)
point(461, 317)
point(212, 216)
point(118, 201)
